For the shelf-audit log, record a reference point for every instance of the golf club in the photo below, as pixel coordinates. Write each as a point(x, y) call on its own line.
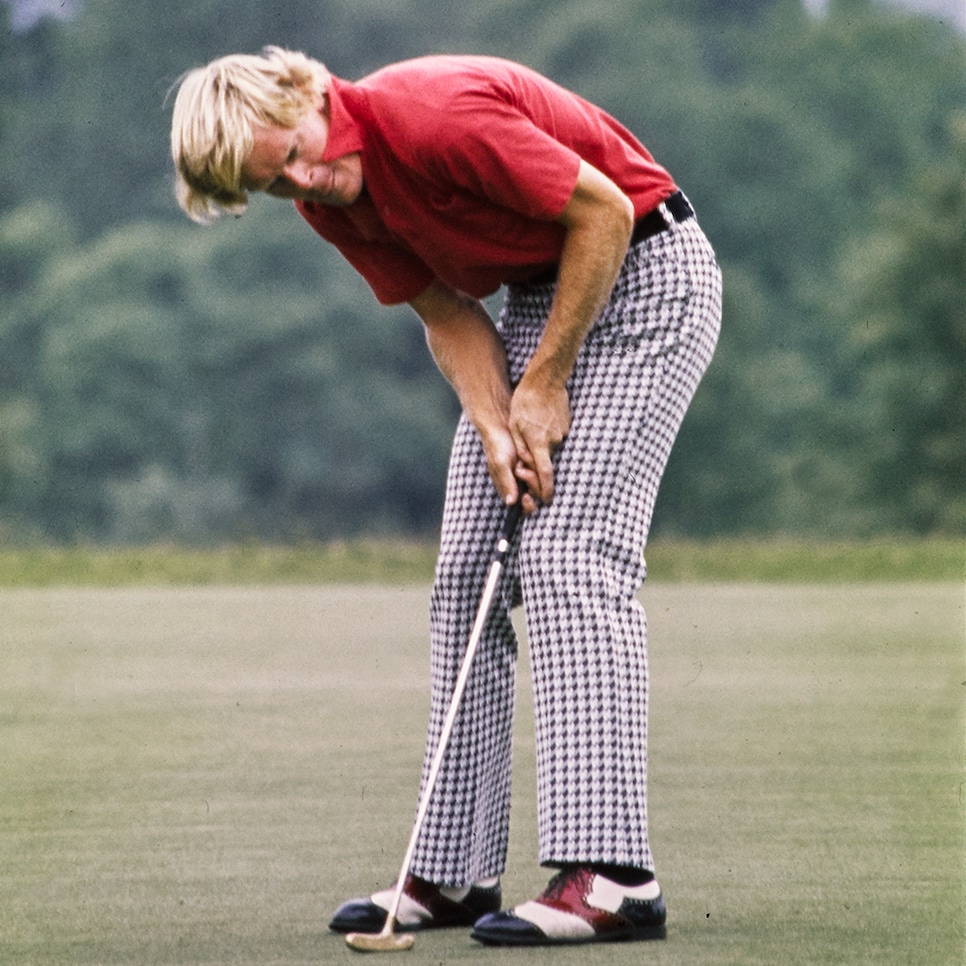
point(388, 940)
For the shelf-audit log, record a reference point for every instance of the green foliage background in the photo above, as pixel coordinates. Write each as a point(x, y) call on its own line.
point(163, 381)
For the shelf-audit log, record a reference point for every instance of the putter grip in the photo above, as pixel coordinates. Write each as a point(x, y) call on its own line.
point(510, 523)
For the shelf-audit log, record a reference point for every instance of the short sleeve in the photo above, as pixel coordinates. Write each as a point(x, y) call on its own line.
point(394, 273)
point(494, 151)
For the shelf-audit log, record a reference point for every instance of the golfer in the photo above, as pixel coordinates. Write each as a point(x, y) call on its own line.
point(441, 180)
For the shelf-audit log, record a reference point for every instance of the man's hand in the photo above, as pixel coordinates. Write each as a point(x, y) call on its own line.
point(539, 422)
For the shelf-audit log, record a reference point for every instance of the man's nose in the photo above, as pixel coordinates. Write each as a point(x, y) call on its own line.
point(299, 175)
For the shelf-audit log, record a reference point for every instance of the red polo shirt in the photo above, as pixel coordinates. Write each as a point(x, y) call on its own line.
point(466, 163)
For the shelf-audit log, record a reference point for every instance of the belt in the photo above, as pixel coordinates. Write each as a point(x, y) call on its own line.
point(676, 208)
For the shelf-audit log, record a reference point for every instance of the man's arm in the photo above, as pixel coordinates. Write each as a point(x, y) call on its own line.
point(521, 428)
point(599, 219)
point(465, 344)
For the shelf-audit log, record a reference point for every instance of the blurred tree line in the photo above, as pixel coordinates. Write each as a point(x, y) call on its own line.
point(166, 381)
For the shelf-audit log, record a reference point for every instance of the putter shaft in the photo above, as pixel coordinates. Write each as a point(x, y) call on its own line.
point(387, 939)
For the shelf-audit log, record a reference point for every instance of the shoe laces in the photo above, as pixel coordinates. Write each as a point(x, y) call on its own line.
point(562, 880)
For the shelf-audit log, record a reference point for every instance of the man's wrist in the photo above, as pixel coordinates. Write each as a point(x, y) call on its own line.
point(548, 374)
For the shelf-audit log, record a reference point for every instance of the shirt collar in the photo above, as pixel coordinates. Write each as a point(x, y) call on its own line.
point(345, 133)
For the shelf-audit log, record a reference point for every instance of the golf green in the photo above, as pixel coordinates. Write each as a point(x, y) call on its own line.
point(200, 775)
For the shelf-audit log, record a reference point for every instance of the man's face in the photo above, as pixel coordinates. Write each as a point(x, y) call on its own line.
point(287, 163)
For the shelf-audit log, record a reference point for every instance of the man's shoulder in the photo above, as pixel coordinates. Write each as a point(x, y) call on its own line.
point(437, 80)
point(437, 97)
point(442, 68)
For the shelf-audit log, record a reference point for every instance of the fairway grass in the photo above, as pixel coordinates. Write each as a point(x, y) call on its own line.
point(398, 561)
point(199, 775)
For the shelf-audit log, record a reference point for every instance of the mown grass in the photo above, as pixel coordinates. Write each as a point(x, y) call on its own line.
point(233, 564)
point(200, 775)
point(376, 561)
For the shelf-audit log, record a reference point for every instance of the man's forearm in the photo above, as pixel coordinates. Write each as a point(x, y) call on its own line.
point(599, 223)
point(468, 351)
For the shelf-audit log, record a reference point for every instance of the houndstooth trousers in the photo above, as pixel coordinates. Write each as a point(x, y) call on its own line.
point(576, 565)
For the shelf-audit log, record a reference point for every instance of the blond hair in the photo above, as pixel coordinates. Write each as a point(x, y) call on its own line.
point(214, 116)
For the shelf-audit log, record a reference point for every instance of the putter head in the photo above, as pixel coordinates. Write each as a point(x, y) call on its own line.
point(386, 941)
